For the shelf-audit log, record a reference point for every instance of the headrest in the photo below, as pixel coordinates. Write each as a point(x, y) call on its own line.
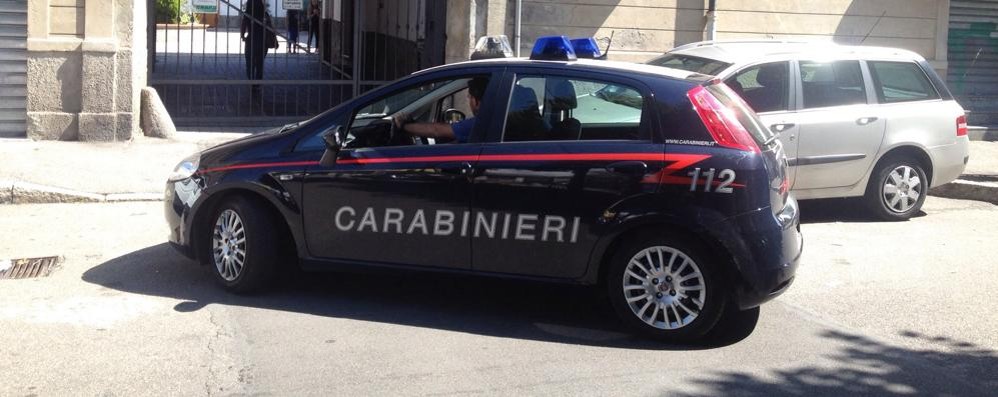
point(771, 75)
point(524, 98)
point(560, 95)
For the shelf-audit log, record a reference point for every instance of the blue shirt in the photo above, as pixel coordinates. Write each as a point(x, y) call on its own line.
point(462, 129)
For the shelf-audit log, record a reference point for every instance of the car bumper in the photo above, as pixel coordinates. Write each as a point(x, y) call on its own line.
point(766, 250)
point(949, 161)
point(178, 201)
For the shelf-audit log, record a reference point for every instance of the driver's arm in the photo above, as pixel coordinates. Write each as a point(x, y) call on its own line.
point(426, 130)
point(429, 130)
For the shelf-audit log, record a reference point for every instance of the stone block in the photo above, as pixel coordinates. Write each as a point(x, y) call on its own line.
point(52, 126)
point(53, 82)
point(98, 82)
point(123, 77)
point(125, 126)
point(97, 127)
point(156, 121)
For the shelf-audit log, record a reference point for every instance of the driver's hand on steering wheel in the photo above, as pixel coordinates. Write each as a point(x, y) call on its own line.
point(399, 120)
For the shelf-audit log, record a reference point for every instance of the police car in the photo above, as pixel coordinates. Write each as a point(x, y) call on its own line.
point(658, 185)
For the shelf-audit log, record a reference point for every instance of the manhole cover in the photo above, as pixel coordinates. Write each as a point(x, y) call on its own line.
point(28, 267)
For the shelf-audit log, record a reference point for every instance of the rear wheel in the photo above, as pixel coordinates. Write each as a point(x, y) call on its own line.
point(244, 249)
point(897, 189)
point(666, 288)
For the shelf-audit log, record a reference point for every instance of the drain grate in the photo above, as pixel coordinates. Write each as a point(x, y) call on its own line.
point(28, 267)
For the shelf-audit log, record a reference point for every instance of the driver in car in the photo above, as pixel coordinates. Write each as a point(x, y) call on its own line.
point(459, 131)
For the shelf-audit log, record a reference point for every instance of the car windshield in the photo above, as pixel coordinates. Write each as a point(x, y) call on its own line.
point(690, 63)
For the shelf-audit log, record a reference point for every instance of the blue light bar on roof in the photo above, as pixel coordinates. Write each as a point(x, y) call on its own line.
point(586, 48)
point(553, 48)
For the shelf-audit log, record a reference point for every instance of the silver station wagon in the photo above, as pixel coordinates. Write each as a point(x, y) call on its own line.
point(855, 121)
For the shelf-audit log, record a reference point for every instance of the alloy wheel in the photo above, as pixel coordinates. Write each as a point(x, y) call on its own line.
point(902, 189)
point(229, 245)
point(664, 287)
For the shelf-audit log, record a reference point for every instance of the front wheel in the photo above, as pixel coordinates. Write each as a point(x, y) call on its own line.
point(243, 250)
point(665, 287)
point(897, 189)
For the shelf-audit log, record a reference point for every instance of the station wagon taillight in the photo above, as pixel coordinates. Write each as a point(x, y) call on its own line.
point(961, 125)
point(721, 121)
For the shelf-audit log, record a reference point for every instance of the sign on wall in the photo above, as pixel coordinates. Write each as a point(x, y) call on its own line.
point(205, 6)
point(292, 4)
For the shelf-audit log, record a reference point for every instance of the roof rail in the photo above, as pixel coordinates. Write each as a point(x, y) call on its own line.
point(741, 41)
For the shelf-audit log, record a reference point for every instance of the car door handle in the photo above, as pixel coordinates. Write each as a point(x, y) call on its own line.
point(778, 128)
point(628, 167)
point(464, 168)
point(865, 120)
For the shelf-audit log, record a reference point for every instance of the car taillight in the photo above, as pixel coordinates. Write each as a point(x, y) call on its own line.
point(721, 121)
point(961, 125)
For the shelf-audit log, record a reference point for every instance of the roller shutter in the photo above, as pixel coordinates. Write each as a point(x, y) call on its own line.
point(973, 59)
point(13, 67)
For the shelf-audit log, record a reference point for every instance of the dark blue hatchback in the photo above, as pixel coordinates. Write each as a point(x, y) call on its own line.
point(659, 185)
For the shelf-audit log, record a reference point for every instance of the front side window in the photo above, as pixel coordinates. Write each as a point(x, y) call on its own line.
point(552, 108)
point(901, 82)
point(427, 103)
point(765, 87)
point(835, 83)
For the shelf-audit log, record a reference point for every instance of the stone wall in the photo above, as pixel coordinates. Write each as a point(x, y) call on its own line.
point(86, 66)
point(917, 25)
point(643, 29)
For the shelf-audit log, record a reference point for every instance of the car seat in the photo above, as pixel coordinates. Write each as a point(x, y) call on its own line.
point(770, 93)
point(524, 122)
point(559, 101)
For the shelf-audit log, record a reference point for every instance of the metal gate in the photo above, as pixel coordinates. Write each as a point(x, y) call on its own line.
point(200, 62)
point(973, 59)
point(13, 67)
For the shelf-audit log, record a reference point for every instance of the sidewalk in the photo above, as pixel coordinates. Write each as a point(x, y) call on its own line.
point(52, 171)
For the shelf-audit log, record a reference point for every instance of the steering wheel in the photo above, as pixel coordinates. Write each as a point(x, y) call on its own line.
point(398, 137)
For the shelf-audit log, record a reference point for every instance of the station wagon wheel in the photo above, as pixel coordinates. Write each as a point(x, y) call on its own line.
point(897, 189)
point(243, 252)
point(664, 287)
point(902, 189)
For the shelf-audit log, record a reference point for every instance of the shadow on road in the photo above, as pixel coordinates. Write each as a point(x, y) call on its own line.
point(477, 305)
point(850, 210)
point(866, 367)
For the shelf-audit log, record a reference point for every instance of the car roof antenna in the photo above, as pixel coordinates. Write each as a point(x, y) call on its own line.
point(873, 27)
point(608, 43)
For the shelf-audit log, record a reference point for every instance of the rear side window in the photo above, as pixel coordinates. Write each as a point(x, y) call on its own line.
point(690, 63)
point(765, 87)
point(901, 82)
point(835, 83)
point(555, 108)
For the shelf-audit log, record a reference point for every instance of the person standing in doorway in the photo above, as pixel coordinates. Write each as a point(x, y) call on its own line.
point(253, 31)
point(292, 18)
point(313, 23)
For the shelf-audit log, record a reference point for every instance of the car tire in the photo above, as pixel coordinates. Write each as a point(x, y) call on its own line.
point(897, 189)
point(670, 277)
point(243, 252)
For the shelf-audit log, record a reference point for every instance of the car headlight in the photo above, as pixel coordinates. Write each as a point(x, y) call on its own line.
point(186, 168)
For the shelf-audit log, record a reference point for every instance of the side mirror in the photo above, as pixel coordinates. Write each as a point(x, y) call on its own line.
point(334, 143)
point(452, 116)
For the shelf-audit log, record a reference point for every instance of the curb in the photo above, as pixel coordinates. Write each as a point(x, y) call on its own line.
point(16, 192)
point(966, 189)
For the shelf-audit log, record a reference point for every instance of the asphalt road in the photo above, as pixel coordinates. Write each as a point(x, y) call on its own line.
point(878, 308)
